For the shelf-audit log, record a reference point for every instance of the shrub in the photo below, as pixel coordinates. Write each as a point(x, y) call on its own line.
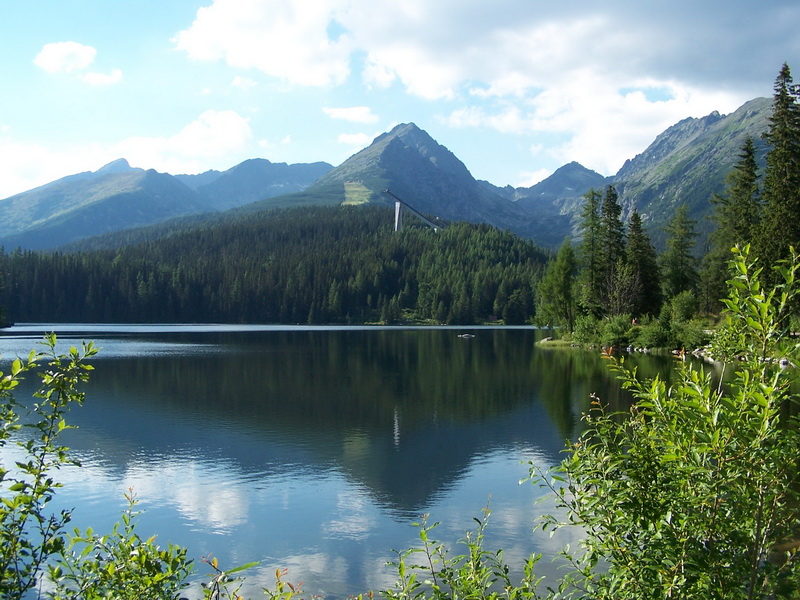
point(689, 494)
point(29, 534)
point(587, 330)
point(34, 543)
point(651, 333)
point(616, 330)
point(683, 306)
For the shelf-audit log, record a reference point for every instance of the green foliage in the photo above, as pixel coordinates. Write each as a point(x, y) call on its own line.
point(586, 330)
point(119, 565)
point(29, 534)
point(780, 226)
point(589, 253)
point(736, 214)
point(690, 493)
point(616, 331)
point(304, 265)
point(641, 256)
point(615, 276)
point(683, 306)
point(653, 332)
point(678, 270)
point(432, 572)
point(34, 545)
point(556, 299)
point(228, 583)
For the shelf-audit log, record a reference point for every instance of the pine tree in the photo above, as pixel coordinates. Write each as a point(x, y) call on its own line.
point(642, 258)
point(556, 300)
point(736, 213)
point(781, 190)
point(678, 270)
point(611, 252)
point(589, 280)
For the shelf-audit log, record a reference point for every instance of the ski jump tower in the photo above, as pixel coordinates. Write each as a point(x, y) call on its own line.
point(400, 207)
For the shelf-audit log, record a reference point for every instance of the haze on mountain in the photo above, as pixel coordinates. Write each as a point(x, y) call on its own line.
point(118, 197)
point(686, 164)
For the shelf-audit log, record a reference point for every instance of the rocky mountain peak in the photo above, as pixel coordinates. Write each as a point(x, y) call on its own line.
point(120, 165)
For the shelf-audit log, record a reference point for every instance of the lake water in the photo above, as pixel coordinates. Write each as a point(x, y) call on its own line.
point(316, 448)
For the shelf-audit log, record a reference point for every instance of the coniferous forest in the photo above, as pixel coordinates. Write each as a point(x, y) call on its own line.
point(346, 264)
point(304, 265)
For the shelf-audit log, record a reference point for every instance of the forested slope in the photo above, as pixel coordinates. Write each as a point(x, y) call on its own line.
point(308, 265)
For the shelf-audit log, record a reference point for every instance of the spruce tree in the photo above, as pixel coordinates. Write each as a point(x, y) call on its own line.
point(678, 270)
point(590, 280)
point(780, 226)
point(642, 258)
point(611, 251)
point(736, 214)
point(556, 301)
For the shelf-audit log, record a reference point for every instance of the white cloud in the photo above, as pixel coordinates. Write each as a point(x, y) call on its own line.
point(215, 139)
point(103, 79)
point(24, 166)
point(243, 83)
point(213, 136)
point(354, 114)
point(529, 178)
point(72, 57)
point(65, 57)
point(511, 67)
point(284, 39)
point(600, 129)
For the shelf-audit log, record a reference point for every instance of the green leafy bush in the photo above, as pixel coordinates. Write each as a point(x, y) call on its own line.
point(691, 493)
point(36, 551)
point(683, 306)
point(616, 330)
point(119, 565)
point(431, 571)
point(30, 535)
point(651, 333)
point(587, 330)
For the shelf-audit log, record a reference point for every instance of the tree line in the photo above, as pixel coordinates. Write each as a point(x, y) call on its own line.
point(303, 265)
point(346, 265)
point(614, 272)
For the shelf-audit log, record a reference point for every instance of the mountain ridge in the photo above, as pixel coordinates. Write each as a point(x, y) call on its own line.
point(687, 163)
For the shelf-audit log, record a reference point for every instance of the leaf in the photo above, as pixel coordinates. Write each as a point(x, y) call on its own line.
point(247, 566)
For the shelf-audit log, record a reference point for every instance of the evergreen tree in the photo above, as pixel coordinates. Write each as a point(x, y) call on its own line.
point(781, 190)
point(589, 278)
point(736, 214)
point(517, 310)
point(642, 258)
point(611, 252)
point(556, 300)
point(678, 270)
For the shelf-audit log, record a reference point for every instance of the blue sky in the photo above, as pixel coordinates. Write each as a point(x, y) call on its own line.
point(515, 88)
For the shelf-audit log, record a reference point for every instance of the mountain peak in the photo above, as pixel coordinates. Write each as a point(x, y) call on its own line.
point(403, 131)
point(120, 165)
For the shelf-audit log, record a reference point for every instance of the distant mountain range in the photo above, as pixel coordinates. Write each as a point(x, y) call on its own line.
point(118, 196)
point(686, 164)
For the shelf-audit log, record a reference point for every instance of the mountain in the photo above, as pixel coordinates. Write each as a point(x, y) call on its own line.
point(256, 179)
point(555, 201)
point(420, 171)
point(112, 198)
point(118, 196)
point(688, 163)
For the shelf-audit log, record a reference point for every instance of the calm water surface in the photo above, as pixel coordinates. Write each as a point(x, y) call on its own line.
point(315, 449)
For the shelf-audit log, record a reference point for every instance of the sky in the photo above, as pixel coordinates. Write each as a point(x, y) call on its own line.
point(514, 88)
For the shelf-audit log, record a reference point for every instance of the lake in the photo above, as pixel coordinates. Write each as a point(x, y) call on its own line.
point(316, 448)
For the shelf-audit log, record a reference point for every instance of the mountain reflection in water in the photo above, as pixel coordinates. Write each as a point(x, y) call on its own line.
point(315, 448)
